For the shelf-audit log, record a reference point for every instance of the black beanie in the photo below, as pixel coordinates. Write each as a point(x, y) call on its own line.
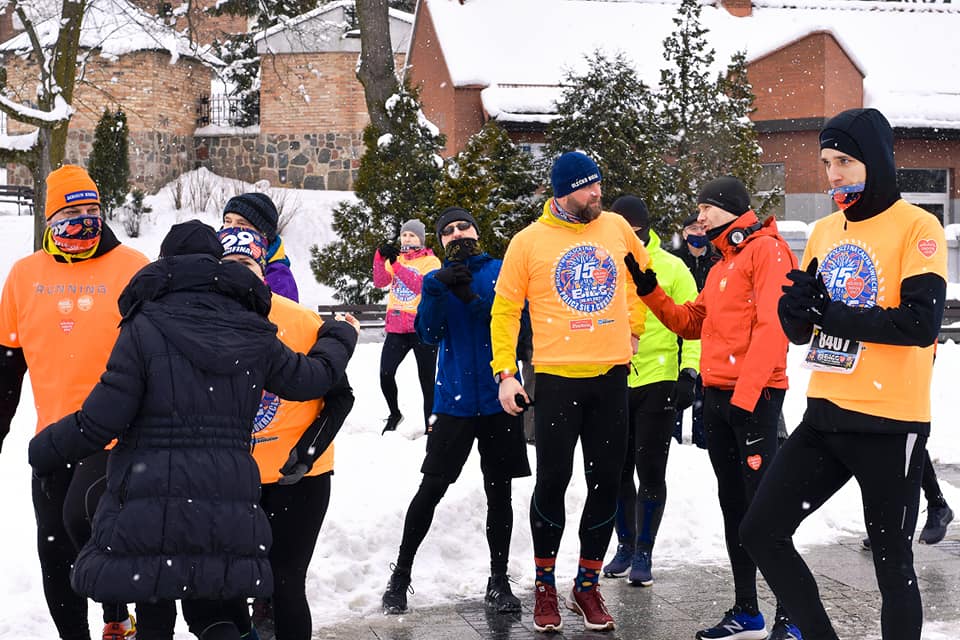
point(259, 210)
point(728, 193)
point(454, 214)
point(866, 135)
point(633, 209)
point(690, 219)
point(190, 237)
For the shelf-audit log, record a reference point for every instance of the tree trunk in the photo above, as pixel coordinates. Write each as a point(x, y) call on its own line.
point(40, 169)
point(376, 71)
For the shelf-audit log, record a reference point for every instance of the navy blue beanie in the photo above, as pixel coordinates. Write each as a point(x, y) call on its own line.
point(190, 237)
point(571, 171)
point(259, 211)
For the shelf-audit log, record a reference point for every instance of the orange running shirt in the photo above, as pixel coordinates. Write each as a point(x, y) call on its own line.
point(65, 318)
point(280, 423)
point(576, 283)
point(863, 264)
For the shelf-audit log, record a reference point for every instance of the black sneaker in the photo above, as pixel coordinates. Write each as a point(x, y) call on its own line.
point(865, 543)
point(499, 597)
point(936, 527)
point(395, 597)
point(393, 420)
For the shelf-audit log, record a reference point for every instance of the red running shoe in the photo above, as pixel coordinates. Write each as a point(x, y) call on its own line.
point(126, 630)
point(546, 610)
point(590, 605)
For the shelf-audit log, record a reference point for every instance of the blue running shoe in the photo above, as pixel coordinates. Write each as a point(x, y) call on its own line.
point(783, 629)
point(620, 565)
point(736, 625)
point(640, 569)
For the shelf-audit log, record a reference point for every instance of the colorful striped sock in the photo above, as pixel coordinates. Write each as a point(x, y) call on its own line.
point(545, 571)
point(588, 575)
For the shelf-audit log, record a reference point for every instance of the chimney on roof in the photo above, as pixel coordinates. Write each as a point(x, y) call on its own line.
point(738, 8)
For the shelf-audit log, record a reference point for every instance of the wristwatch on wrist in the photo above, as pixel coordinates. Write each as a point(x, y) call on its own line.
point(501, 375)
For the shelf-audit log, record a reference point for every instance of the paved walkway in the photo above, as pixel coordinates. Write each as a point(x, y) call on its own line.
point(684, 598)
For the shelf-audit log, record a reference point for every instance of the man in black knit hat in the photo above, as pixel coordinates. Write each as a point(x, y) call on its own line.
point(256, 211)
point(743, 363)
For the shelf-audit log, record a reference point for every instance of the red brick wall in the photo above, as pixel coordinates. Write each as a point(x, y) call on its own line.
point(799, 152)
point(336, 101)
point(810, 78)
point(160, 101)
point(427, 70)
point(929, 154)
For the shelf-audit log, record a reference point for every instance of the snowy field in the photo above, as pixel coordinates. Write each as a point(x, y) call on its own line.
point(376, 477)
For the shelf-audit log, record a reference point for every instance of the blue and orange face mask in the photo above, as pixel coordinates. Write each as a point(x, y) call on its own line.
point(847, 195)
point(78, 234)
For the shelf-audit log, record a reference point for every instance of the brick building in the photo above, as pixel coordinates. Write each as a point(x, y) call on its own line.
point(503, 60)
point(312, 108)
point(135, 64)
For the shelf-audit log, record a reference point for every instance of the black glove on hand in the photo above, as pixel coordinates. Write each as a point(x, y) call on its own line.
point(461, 284)
point(685, 390)
point(389, 252)
point(447, 276)
point(317, 438)
point(807, 297)
point(646, 281)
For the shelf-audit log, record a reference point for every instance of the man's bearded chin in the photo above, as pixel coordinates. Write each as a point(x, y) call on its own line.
point(590, 212)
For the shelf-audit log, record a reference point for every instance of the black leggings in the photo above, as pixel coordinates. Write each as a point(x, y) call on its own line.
point(640, 509)
point(419, 517)
point(80, 505)
point(811, 467)
point(396, 346)
point(296, 514)
point(931, 487)
point(206, 619)
point(593, 411)
point(740, 455)
point(57, 553)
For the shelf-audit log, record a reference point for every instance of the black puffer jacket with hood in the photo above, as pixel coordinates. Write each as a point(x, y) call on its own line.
point(180, 516)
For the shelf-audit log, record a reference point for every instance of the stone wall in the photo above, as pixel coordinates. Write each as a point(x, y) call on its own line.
point(298, 160)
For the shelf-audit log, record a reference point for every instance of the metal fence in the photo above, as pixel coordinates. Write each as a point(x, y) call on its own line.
point(228, 111)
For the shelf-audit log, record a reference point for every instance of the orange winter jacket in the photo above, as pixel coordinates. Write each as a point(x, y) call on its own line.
point(280, 423)
point(743, 347)
point(65, 318)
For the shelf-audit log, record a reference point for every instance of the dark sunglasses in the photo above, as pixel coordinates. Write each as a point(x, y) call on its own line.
point(463, 225)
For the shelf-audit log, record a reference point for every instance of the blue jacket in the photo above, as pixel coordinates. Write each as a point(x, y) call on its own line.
point(465, 385)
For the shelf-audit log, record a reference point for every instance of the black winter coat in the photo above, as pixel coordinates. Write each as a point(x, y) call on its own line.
point(180, 516)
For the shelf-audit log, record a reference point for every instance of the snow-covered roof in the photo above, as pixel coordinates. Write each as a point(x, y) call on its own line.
point(326, 28)
point(909, 53)
point(114, 27)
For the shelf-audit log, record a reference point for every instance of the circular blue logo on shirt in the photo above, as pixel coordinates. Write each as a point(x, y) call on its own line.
point(401, 291)
point(851, 275)
point(266, 412)
point(586, 278)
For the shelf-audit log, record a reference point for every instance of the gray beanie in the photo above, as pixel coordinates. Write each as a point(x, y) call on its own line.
point(416, 227)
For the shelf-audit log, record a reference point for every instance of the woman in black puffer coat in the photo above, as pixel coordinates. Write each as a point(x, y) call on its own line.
point(180, 516)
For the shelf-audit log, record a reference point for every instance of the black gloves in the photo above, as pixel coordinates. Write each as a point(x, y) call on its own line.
point(685, 389)
point(389, 252)
point(807, 298)
point(337, 403)
point(646, 281)
point(457, 279)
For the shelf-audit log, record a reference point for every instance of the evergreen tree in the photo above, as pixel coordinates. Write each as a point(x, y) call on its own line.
point(608, 113)
point(109, 164)
point(496, 181)
point(396, 181)
point(241, 75)
point(704, 119)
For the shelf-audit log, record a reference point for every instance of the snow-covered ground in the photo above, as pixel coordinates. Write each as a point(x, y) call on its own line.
point(376, 477)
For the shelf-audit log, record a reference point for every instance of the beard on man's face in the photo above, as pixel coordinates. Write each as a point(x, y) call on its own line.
point(590, 211)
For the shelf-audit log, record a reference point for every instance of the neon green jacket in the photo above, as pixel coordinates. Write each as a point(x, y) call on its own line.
point(656, 356)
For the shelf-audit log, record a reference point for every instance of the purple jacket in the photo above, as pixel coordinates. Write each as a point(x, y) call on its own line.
point(280, 280)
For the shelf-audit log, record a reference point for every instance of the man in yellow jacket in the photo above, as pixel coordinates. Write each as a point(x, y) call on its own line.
point(569, 266)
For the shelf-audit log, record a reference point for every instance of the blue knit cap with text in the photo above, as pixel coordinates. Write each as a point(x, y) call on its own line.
point(571, 171)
